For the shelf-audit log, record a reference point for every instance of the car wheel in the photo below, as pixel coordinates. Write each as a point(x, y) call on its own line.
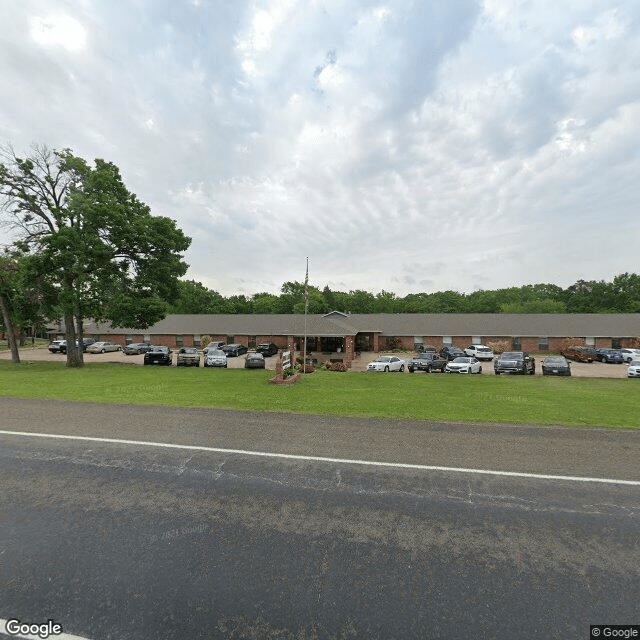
point(386, 369)
point(480, 370)
point(410, 370)
point(428, 369)
point(497, 373)
point(401, 368)
point(102, 351)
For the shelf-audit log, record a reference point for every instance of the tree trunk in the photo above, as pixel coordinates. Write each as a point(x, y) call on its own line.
point(11, 335)
point(71, 336)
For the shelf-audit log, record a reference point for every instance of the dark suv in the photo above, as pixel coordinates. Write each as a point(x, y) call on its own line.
point(514, 362)
point(267, 349)
point(451, 353)
point(427, 361)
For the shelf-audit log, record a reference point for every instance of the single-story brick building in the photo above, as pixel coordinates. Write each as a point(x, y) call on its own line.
point(343, 335)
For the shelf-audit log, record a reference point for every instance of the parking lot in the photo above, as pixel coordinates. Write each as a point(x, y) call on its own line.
point(578, 369)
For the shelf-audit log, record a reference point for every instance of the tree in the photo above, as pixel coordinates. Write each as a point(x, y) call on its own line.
point(8, 269)
point(194, 297)
point(98, 250)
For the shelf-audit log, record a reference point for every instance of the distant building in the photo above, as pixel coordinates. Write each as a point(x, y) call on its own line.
point(344, 335)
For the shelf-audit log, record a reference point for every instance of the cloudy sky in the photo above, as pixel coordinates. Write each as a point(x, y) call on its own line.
point(404, 145)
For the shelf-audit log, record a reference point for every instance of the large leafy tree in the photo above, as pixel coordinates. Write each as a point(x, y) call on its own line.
point(95, 247)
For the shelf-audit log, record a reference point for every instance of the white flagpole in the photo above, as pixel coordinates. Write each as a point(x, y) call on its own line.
point(306, 304)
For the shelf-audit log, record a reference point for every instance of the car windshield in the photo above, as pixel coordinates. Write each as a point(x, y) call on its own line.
point(483, 349)
point(555, 360)
point(512, 355)
point(634, 363)
point(217, 353)
point(189, 350)
point(465, 360)
point(383, 359)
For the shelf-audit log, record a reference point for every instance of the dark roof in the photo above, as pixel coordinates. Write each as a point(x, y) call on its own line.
point(387, 324)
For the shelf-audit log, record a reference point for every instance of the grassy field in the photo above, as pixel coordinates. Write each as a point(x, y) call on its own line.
point(506, 399)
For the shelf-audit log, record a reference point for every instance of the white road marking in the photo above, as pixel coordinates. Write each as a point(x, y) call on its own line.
point(290, 456)
point(30, 636)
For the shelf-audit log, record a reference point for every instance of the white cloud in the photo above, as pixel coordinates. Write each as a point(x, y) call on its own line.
point(59, 30)
point(402, 145)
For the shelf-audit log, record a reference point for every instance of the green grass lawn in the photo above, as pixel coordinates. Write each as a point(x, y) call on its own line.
point(507, 399)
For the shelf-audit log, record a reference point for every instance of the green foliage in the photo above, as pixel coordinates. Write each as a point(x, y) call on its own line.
point(622, 295)
point(94, 248)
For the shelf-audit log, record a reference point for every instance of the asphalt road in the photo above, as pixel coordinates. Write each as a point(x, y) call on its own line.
point(120, 540)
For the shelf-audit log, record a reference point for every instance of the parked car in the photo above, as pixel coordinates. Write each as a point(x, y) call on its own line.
point(556, 366)
point(427, 361)
point(213, 346)
point(86, 343)
point(421, 348)
point(630, 354)
point(215, 358)
point(633, 370)
point(479, 351)
point(267, 349)
point(386, 363)
point(188, 357)
point(254, 360)
point(158, 355)
point(234, 349)
point(464, 364)
point(103, 346)
point(613, 356)
point(451, 353)
point(592, 352)
point(514, 362)
point(54, 346)
point(577, 353)
point(136, 348)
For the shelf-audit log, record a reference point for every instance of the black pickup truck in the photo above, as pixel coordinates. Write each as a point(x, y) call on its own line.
point(514, 362)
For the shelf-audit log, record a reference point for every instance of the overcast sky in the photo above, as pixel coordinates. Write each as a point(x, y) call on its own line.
point(404, 145)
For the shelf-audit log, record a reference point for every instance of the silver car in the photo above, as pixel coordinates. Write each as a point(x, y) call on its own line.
point(102, 347)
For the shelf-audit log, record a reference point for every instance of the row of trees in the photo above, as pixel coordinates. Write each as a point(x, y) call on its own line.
point(84, 247)
point(621, 295)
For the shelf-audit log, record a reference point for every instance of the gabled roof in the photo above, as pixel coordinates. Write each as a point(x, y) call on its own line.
point(387, 324)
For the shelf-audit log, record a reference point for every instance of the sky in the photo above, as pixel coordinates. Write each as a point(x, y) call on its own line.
point(401, 145)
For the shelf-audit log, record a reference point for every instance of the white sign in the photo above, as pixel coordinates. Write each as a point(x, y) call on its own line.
point(286, 360)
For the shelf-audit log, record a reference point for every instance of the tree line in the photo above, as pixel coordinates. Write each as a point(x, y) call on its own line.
point(621, 295)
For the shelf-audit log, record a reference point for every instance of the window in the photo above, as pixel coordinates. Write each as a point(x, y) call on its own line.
point(447, 341)
point(616, 343)
point(543, 343)
point(476, 340)
point(590, 342)
point(128, 340)
point(179, 341)
point(196, 339)
point(146, 337)
point(515, 344)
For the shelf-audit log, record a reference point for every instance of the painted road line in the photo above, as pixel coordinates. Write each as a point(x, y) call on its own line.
point(289, 456)
point(42, 633)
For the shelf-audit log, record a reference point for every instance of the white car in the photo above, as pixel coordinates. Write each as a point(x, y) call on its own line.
point(386, 363)
point(479, 351)
point(101, 347)
point(633, 370)
point(630, 354)
point(215, 358)
point(463, 365)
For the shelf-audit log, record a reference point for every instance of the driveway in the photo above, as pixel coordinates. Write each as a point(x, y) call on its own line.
point(578, 369)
